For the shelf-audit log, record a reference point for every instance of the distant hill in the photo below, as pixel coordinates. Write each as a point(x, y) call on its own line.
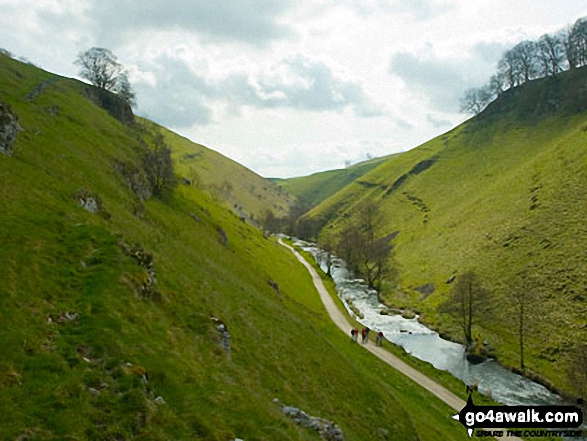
point(504, 193)
point(129, 316)
point(318, 187)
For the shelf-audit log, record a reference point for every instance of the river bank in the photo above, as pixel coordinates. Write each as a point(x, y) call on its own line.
point(492, 379)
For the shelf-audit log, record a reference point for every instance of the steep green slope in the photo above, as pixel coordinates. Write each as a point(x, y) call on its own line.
point(318, 187)
point(106, 316)
point(501, 194)
point(242, 190)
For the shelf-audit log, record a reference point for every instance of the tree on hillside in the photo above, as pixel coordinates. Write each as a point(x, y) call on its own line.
point(525, 54)
point(475, 100)
point(529, 60)
point(524, 295)
point(296, 211)
point(575, 44)
point(124, 90)
point(159, 167)
point(496, 84)
point(551, 54)
point(269, 222)
point(100, 67)
point(467, 293)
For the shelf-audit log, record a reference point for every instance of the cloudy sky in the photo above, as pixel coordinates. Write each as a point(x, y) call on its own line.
point(290, 87)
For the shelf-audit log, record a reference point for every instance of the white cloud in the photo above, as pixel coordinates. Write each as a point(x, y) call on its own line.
point(290, 87)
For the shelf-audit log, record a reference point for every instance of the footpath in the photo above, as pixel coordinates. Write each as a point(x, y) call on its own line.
point(340, 320)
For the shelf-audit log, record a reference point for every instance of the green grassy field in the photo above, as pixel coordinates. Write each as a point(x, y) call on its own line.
point(501, 193)
point(89, 344)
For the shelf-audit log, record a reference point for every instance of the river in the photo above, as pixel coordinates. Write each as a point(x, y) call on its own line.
point(491, 379)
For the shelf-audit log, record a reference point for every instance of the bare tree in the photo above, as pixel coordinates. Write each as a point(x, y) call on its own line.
point(509, 67)
point(526, 55)
point(551, 55)
point(159, 167)
point(467, 293)
point(326, 255)
point(524, 295)
point(124, 90)
point(575, 44)
point(497, 84)
point(100, 67)
point(365, 253)
point(269, 222)
point(475, 100)
point(580, 40)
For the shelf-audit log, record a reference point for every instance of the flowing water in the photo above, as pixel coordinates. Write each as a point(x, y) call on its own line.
point(491, 379)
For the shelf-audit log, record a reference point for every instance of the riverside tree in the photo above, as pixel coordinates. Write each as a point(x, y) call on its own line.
point(465, 299)
point(365, 252)
point(100, 67)
point(525, 298)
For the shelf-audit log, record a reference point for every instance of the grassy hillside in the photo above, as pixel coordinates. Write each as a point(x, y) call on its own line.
point(106, 316)
point(318, 187)
point(501, 194)
point(242, 190)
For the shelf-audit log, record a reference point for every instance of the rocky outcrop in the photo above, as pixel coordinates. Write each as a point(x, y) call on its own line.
point(147, 283)
point(327, 429)
point(112, 103)
point(39, 88)
point(222, 236)
point(136, 180)
point(223, 333)
point(88, 200)
point(9, 128)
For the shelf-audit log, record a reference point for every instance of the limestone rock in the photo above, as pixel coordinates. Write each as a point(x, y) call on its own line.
point(9, 128)
point(327, 429)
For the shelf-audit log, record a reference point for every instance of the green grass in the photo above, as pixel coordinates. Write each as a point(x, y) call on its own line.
point(318, 187)
point(505, 192)
point(82, 379)
point(227, 181)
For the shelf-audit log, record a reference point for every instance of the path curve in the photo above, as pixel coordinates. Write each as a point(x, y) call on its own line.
point(341, 321)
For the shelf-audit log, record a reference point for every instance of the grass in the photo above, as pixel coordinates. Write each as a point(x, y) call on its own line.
point(503, 193)
point(226, 181)
point(99, 374)
point(320, 186)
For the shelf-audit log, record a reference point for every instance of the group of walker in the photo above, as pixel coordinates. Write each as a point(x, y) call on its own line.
point(365, 336)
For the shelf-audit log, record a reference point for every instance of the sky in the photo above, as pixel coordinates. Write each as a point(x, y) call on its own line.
point(290, 87)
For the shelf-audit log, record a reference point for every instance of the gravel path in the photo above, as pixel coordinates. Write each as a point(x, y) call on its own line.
point(340, 320)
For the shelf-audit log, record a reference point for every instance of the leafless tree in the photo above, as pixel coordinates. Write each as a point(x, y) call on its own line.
point(496, 84)
point(475, 100)
point(124, 90)
point(159, 167)
point(551, 54)
point(100, 67)
point(526, 54)
point(465, 298)
point(365, 252)
point(525, 296)
point(575, 44)
point(528, 60)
